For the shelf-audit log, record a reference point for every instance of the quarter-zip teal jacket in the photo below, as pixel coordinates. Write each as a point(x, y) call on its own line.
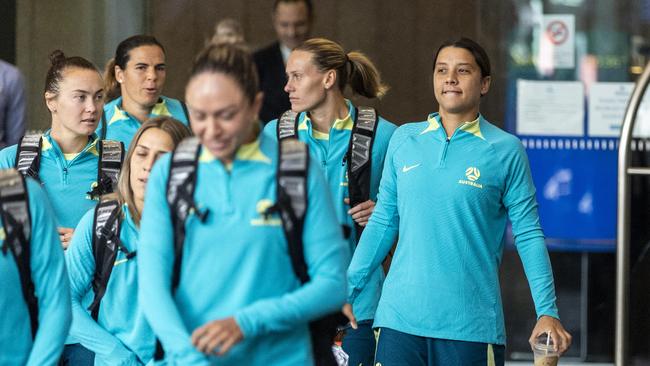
point(121, 334)
point(51, 286)
point(122, 126)
point(236, 263)
point(66, 182)
point(329, 150)
point(450, 199)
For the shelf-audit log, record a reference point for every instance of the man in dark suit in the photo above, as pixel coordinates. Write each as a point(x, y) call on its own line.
point(292, 20)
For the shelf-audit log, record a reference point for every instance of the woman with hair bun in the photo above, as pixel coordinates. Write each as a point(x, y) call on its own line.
point(134, 80)
point(318, 71)
point(229, 295)
point(68, 163)
point(68, 158)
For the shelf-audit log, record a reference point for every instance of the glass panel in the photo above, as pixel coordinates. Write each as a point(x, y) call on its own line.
point(571, 67)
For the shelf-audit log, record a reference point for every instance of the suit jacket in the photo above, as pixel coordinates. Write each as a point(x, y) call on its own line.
point(270, 68)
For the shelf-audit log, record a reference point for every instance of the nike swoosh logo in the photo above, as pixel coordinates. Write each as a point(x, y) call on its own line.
point(407, 168)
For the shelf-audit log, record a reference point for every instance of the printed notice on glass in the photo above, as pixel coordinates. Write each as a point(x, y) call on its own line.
point(550, 108)
point(557, 42)
point(607, 103)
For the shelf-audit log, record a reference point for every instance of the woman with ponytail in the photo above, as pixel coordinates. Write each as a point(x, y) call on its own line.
point(134, 81)
point(236, 299)
point(318, 72)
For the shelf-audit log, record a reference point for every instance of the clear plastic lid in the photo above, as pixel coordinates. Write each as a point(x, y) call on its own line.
point(544, 343)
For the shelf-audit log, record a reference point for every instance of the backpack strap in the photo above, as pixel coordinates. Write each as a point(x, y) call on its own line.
point(287, 125)
point(16, 220)
point(28, 154)
point(359, 157)
point(111, 156)
point(104, 125)
point(185, 112)
point(106, 243)
point(292, 199)
point(292, 202)
point(180, 197)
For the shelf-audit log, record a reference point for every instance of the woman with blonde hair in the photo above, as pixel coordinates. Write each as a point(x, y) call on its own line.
point(115, 329)
point(318, 72)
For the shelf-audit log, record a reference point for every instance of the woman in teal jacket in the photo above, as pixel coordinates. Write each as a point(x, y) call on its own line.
point(238, 301)
point(318, 71)
point(120, 335)
point(68, 159)
point(134, 79)
point(449, 185)
point(18, 346)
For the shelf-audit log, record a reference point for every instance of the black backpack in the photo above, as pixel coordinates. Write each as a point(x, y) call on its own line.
point(180, 196)
point(106, 243)
point(16, 220)
point(358, 156)
point(111, 156)
point(291, 205)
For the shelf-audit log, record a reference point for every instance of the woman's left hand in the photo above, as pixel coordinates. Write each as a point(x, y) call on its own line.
point(546, 324)
point(217, 337)
point(361, 212)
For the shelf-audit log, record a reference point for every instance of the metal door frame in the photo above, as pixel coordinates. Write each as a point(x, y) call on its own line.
point(623, 218)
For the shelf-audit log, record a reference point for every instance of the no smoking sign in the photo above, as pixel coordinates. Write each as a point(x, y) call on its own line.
point(557, 32)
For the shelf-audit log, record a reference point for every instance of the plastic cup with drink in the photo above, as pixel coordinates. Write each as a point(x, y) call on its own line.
point(544, 351)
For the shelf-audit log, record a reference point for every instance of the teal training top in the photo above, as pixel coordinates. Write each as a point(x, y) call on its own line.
point(122, 126)
point(66, 182)
point(236, 263)
point(329, 150)
point(121, 334)
point(450, 200)
point(51, 287)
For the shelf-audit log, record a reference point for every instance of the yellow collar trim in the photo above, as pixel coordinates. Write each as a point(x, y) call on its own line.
point(344, 124)
point(247, 152)
point(340, 124)
point(70, 156)
point(433, 124)
point(118, 115)
point(252, 152)
point(206, 156)
point(93, 147)
point(473, 127)
point(160, 109)
point(46, 144)
point(320, 135)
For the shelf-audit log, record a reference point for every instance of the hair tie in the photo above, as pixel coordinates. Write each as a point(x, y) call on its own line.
point(351, 66)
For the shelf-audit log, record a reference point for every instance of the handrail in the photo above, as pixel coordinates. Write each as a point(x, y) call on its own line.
point(622, 220)
point(638, 171)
